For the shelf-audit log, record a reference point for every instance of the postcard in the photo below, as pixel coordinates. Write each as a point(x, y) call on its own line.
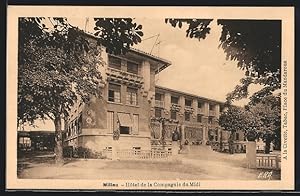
point(150, 98)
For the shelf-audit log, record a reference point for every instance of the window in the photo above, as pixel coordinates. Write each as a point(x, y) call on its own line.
point(125, 123)
point(158, 112)
point(114, 93)
point(210, 120)
point(110, 122)
point(131, 97)
point(187, 116)
point(135, 126)
point(124, 130)
point(158, 96)
point(132, 67)
point(200, 104)
point(114, 62)
point(199, 118)
point(188, 102)
point(173, 115)
point(237, 136)
point(174, 100)
point(136, 150)
point(211, 107)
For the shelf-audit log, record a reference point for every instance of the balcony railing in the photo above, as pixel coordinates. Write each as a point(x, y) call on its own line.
point(175, 107)
point(159, 104)
point(200, 111)
point(212, 113)
point(123, 76)
point(189, 109)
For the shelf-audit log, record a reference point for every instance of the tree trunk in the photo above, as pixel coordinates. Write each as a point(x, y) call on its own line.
point(58, 149)
point(267, 146)
point(230, 144)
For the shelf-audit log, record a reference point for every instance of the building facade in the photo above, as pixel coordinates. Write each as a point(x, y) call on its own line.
point(138, 114)
point(123, 112)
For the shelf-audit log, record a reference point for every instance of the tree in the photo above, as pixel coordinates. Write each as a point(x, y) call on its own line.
point(261, 120)
point(268, 112)
point(238, 119)
point(254, 44)
point(58, 65)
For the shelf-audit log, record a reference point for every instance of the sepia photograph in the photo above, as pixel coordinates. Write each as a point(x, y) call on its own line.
point(160, 98)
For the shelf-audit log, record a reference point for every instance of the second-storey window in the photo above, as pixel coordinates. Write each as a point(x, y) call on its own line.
point(174, 100)
point(158, 96)
point(114, 62)
point(200, 104)
point(188, 102)
point(132, 67)
point(199, 118)
point(114, 93)
point(131, 97)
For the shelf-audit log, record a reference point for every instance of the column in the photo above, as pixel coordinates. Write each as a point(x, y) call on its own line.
point(182, 105)
point(251, 154)
point(195, 106)
point(217, 109)
point(206, 109)
point(146, 75)
point(167, 102)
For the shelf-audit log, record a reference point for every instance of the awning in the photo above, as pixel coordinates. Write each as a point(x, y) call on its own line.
point(125, 120)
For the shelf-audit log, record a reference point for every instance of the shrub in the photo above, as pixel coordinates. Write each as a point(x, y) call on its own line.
point(68, 151)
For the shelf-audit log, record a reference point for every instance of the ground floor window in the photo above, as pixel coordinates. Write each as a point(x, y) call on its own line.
point(158, 112)
point(187, 116)
point(173, 115)
point(125, 123)
point(210, 120)
point(199, 118)
point(124, 130)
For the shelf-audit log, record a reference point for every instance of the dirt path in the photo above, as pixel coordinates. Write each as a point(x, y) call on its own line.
point(203, 165)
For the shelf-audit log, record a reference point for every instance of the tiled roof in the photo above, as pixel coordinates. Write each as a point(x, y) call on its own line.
point(151, 55)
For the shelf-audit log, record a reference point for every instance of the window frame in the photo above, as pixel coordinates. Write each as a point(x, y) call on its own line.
point(160, 112)
point(174, 97)
point(120, 127)
point(133, 71)
point(186, 114)
point(171, 116)
point(199, 115)
point(114, 99)
point(130, 98)
point(113, 64)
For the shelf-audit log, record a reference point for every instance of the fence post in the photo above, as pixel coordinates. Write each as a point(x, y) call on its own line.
point(251, 154)
point(277, 162)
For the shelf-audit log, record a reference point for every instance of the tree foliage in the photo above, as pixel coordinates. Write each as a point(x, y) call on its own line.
point(254, 44)
point(268, 111)
point(238, 119)
point(58, 64)
point(197, 28)
point(117, 34)
point(261, 120)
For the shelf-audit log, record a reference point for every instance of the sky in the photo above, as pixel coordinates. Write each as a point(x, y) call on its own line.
point(198, 67)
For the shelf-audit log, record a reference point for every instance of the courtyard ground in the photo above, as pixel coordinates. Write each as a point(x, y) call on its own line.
point(203, 165)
